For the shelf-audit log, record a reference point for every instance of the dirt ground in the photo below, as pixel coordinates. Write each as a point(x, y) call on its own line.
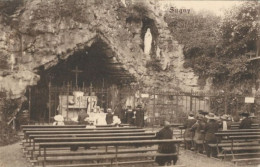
point(12, 156)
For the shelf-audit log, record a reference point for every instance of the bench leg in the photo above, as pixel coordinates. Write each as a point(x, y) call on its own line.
point(116, 156)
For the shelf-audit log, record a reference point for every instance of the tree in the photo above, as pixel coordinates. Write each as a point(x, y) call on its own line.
point(198, 33)
point(216, 48)
point(238, 37)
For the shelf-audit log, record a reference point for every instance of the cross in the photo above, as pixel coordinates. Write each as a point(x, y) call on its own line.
point(77, 71)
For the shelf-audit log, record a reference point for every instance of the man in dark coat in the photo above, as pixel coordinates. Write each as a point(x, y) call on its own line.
point(130, 116)
point(199, 136)
point(210, 129)
point(123, 115)
point(82, 116)
point(166, 133)
point(139, 116)
point(109, 116)
point(189, 134)
point(246, 122)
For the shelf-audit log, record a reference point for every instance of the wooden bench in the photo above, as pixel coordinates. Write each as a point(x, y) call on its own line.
point(68, 126)
point(104, 164)
point(236, 126)
point(84, 139)
point(66, 129)
point(246, 140)
point(112, 157)
point(85, 131)
point(31, 137)
point(77, 129)
point(52, 126)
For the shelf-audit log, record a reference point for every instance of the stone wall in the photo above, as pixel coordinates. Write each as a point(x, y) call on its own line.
point(41, 33)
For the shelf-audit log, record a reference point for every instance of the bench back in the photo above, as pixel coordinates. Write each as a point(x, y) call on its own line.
point(236, 126)
point(237, 133)
point(109, 138)
point(68, 129)
point(244, 137)
point(69, 126)
point(27, 133)
point(109, 143)
point(89, 135)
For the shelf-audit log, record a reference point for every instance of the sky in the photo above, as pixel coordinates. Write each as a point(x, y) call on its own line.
point(214, 6)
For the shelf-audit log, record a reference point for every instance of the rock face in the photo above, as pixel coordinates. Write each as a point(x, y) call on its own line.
point(41, 33)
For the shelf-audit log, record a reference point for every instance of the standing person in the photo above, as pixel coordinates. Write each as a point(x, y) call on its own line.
point(123, 115)
point(189, 134)
point(246, 121)
point(210, 138)
point(109, 116)
point(129, 116)
point(199, 136)
point(139, 116)
point(166, 133)
point(225, 122)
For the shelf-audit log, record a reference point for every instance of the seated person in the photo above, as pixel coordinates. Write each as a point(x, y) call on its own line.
point(246, 121)
point(116, 120)
point(166, 133)
point(109, 116)
point(82, 117)
point(59, 120)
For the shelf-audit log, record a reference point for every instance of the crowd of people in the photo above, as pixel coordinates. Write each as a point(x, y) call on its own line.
point(134, 117)
point(203, 127)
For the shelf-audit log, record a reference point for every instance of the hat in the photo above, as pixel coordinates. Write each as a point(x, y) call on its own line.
point(202, 112)
point(200, 117)
point(245, 114)
point(224, 117)
point(252, 116)
point(139, 106)
point(109, 110)
point(58, 118)
point(191, 114)
point(166, 123)
point(211, 116)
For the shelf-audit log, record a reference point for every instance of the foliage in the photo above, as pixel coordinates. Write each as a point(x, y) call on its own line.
point(238, 37)
point(197, 32)
point(7, 107)
point(137, 12)
point(216, 48)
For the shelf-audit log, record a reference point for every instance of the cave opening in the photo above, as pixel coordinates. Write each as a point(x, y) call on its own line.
point(99, 72)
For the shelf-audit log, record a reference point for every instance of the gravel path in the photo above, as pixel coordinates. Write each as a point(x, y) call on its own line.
point(12, 156)
point(191, 159)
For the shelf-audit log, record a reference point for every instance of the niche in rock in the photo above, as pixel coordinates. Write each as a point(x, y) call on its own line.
point(149, 35)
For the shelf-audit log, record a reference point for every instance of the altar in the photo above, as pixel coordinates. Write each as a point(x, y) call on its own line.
point(69, 106)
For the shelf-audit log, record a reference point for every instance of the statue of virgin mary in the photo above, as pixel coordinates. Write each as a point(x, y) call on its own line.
point(148, 38)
